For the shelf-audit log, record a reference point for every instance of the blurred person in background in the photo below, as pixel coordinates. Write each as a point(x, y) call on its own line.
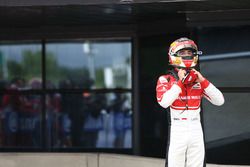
point(121, 119)
point(12, 104)
point(94, 104)
point(3, 86)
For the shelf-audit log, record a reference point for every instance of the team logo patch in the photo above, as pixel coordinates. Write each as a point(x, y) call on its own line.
point(197, 86)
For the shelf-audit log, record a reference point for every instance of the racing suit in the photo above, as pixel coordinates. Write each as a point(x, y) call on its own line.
point(186, 142)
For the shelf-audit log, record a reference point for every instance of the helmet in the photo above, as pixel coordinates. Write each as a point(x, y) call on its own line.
point(187, 61)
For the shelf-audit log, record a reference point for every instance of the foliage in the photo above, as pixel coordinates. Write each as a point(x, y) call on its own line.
point(30, 66)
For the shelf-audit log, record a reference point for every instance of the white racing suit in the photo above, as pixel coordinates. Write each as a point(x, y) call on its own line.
point(186, 141)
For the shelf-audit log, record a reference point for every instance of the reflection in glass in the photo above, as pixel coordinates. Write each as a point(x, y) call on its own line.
point(20, 120)
point(228, 120)
point(89, 64)
point(226, 70)
point(226, 55)
point(89, 120)
point(82, 120)
point(20, 62)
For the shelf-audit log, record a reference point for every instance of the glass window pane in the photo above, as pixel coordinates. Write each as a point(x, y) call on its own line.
point(229, 72)
point(226, 55)
point(89, 120)
point(20, 120)
point(21, 64)
point(229, 120)
point(88, 64)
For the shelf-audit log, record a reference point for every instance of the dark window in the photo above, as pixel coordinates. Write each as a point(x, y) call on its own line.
point(85, 102)
point(229, 120)
point(225, 63)
point(232, 66)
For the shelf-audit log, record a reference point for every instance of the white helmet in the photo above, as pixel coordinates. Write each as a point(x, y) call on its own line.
point(187, 61)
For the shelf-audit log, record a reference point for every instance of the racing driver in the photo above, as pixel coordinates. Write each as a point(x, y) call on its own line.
point(182, 89)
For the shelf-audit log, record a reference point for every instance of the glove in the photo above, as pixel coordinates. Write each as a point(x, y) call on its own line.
point(189, 78)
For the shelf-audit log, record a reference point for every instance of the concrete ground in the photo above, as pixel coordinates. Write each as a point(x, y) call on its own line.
point(80, 160)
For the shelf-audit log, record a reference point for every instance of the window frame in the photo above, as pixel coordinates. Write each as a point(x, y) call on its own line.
point(44, 91)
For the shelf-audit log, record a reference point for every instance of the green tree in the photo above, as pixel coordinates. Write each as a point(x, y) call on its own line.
point(31, 64)
point(52, 69)
point(14, 69)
